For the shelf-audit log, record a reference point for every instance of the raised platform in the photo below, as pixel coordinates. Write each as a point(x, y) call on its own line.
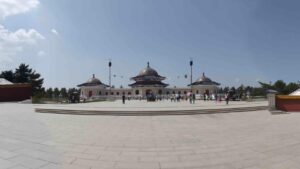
point(143, 108)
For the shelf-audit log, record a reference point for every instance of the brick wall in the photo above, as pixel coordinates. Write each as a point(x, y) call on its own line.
point(15, 92)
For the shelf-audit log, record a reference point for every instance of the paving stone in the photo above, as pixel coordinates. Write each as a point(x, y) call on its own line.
point(4, 164)
point(245, 140)
point(28, 161)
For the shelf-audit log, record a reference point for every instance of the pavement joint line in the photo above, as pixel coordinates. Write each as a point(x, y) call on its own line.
point(147, 112)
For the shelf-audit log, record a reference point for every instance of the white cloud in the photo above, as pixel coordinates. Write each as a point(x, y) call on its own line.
point(41, 53)
point(20, 36)
point(54, 31)
point(13, 7)
point(13, 42)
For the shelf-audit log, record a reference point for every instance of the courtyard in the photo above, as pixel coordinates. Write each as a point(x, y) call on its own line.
point(257, 139)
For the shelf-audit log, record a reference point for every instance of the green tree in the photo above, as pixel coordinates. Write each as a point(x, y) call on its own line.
point(8, 75)
point(233, 90)
point(220, 90)
point(226, 89)
point(258, 91)
point(291, 87)
point(49, 93)
point(24, 74)
point(63, 92)
point(266, 86)
point(241, 91)
point(56, 92)
point(279, 86)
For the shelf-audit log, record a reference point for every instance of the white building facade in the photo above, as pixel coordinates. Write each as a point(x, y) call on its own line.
point(147, 82)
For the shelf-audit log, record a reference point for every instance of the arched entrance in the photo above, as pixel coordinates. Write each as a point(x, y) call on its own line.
point(207, 92)
point(148, 91)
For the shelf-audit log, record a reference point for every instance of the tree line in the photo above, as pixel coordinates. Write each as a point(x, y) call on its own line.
point(280, 86)
point(58, 92)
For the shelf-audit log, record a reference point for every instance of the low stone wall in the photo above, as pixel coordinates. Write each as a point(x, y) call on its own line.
point(15, 92)
point(288, 103)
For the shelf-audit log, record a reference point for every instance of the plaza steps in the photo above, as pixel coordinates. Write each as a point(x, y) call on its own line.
point(149, 112)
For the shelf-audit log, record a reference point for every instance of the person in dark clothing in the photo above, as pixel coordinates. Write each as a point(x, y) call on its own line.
point(123, 99)
point(194, 98)
point(227, 98)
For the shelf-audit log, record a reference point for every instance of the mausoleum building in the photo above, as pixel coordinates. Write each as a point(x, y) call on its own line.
point(147, 82)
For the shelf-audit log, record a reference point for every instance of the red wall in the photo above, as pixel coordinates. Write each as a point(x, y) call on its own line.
point(16, 92)
point(288, 103)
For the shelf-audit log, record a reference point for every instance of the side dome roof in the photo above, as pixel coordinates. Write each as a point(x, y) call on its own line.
point(203, 80)
point(92, 82)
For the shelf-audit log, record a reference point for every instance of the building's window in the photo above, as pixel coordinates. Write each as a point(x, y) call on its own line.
point(197, 92)
point(179, 92)
point(129, 93)
point(184, 92)
point(106, 93)
point(123, 93)
point(168, 92)
point(111, 93)
point(118, 93)
point(100, 93)
point(137, 92)
point(173, 92)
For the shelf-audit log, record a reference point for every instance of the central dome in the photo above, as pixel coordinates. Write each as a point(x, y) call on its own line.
point(148, 71)
point(94, 81)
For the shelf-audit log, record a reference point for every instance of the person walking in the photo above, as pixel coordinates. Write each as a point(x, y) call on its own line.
point(191, 97)
point(123, 99)
point(227, 98)
point(194, 97)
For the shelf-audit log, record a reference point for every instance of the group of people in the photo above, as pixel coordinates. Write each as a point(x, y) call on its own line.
point(191, 97)
point(177, 98)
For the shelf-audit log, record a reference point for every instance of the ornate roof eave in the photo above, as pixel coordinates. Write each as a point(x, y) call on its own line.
point(92, 84)
point(205, 83)
point(158, 84)
point(136, 78)
point(132, 85)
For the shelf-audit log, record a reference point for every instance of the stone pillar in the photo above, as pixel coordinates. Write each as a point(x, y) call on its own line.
point(271, 94)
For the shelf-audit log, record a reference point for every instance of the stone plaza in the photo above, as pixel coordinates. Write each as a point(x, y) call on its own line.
point(241, 140)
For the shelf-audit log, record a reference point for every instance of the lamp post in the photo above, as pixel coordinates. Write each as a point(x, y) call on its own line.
point(191, 65)
point(109, 65)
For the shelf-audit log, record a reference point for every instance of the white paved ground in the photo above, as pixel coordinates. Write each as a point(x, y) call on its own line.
point(248, 140)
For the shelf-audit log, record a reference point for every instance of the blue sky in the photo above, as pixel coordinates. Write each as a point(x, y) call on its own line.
point(234, 41)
